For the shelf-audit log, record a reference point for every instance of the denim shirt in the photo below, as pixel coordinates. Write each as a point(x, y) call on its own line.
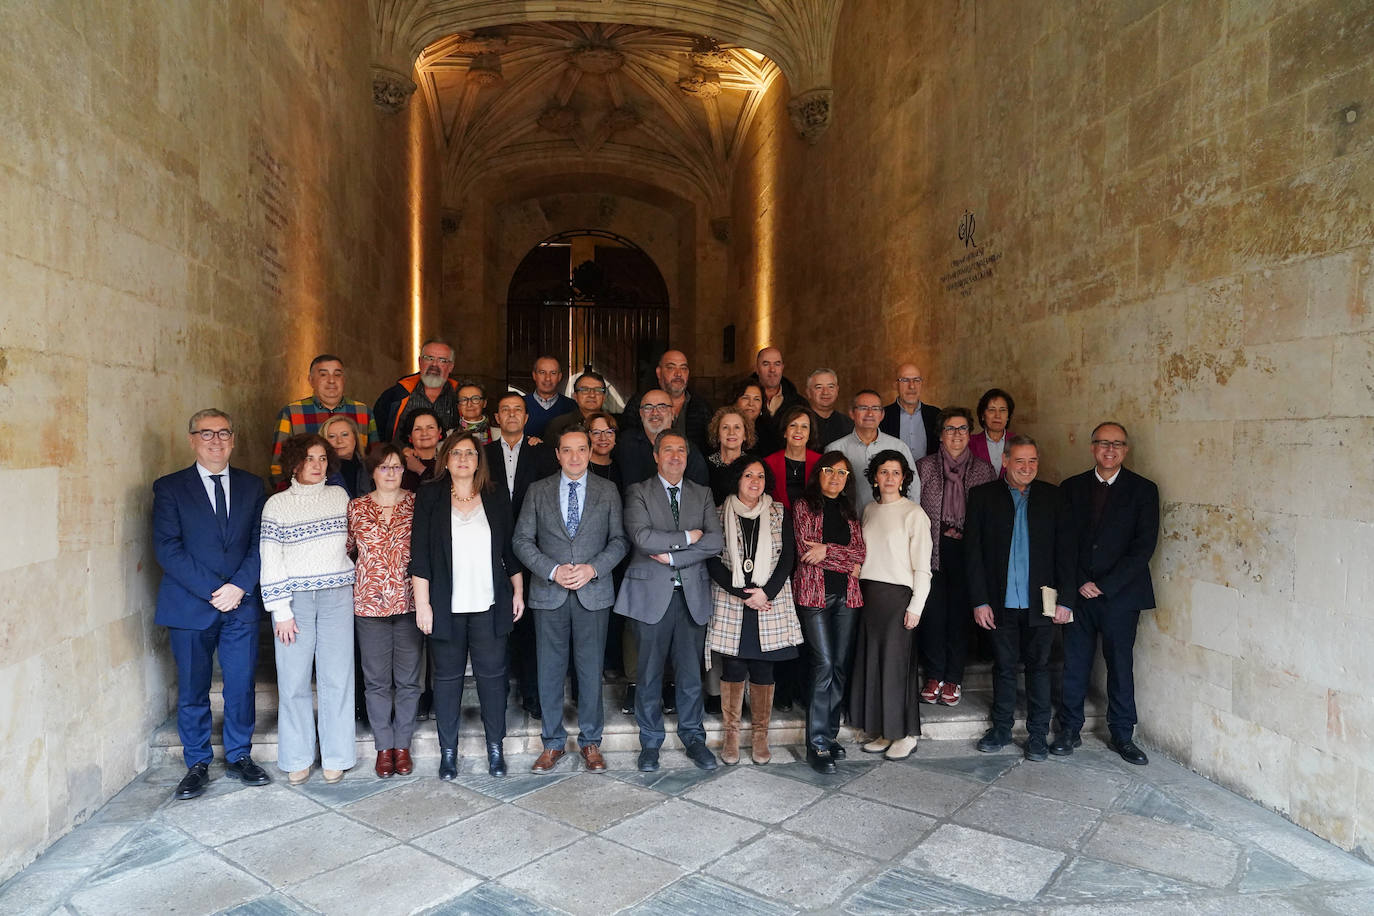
point(1018, 563)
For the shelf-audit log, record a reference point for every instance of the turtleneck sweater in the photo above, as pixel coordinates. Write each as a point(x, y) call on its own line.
point(303, 544)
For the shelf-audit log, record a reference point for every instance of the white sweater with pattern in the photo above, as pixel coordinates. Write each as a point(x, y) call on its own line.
point(304, 533)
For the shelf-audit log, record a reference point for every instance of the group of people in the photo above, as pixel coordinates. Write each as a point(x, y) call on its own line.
point(774, 550)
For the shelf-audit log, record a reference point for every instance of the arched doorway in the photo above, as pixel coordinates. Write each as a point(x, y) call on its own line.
point(593, 299)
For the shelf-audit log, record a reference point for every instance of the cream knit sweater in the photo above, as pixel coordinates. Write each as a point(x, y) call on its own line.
point(304, 532)
point(898, 539)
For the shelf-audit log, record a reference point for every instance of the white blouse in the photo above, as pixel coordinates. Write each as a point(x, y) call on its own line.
point(472, 589)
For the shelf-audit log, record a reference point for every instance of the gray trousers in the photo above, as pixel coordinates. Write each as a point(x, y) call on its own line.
point(585, 630)
point(390, 649)
point(324, 641)
point(676, 638)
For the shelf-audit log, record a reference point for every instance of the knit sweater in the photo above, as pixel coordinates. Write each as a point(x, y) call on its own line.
point(898, 538)
point(304, 533)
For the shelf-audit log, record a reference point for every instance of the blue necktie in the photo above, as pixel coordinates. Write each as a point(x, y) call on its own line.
point(574, 516)
point(221, 505)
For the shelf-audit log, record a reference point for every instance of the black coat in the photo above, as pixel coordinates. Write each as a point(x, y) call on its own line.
point(891, 423)
point(695, 418)
point(1116, 554)
point(634, 453)
point(988, 520)
point(431, 553)
point(533, 462)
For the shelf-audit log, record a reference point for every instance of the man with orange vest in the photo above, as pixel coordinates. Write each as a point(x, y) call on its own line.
point(430, 387)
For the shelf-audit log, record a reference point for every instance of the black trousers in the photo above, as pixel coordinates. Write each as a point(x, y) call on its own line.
point(944, 629)
point(738, 670)
point(1095, 618)
point(472, 634)
point(1014, 642)
point(676, 637)
point(829, 633)
point(524, 659)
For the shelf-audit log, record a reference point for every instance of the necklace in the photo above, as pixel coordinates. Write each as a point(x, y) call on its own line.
point(751, 546)
point(461, 499)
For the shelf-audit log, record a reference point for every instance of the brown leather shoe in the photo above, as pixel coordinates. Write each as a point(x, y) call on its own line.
point(386, 763)
point(548, 760)
point(591, 755)
point(404, 765)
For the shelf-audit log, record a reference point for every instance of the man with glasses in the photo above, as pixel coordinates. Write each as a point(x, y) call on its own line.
point(589, 393)
point(867, 440)
point(326, 400)
point(1115, 515)
point(634, 452)
point(907, 418)
point(546, 403)
point(205, 537)
point(689, 415)
point(430, 387)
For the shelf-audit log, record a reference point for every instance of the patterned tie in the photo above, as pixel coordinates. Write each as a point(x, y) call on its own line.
point(672, 500)
point(221, 505)
point(574, 516)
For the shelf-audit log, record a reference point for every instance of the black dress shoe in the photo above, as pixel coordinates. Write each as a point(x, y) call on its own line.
point(821, 760)
point(837, 750)
point(425, 706)
point(496, 759)
point(701, 755)
point(1036, 748)
point(1129, 752)
point(648, 760)
point(669, 699)
point(448, 763)
point(1063, 745)
point(244, 768)
point(627, 705)
point(993, 740)
point(194, 782)
point(531, 707)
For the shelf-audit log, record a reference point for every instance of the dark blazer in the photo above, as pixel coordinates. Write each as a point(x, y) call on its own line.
point(988, 519)
point(891, 424)
point(431, 553)
point(195, 560)
point(635, 455)
point(542, 542)
point(1115, 555)
point(533, 462)
point(695, 417)
point(648, 585)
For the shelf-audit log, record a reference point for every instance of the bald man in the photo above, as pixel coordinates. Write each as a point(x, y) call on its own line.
point(907, 418)
point(778, 391)
point(690, 413)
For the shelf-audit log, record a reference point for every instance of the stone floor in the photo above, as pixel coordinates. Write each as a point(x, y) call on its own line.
point(948, 830)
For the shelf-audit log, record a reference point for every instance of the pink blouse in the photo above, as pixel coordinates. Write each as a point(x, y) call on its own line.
point(381, 585)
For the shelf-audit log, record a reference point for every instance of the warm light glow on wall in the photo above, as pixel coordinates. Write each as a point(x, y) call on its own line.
point(765, 234)
point(419, 134)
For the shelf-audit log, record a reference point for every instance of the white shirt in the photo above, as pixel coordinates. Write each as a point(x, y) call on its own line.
point(512, 455)
point(472, 588)
point(859, 455)
point(1101, 479)
point(206, 479)
point(995, 450)
point(563, 481)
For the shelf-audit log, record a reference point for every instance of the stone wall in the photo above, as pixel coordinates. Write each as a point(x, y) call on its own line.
point(197, 198)
point(1172, 208)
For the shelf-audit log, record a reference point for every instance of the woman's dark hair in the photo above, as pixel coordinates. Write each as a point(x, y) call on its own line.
point(610, 419)
point(882, 458)
point(408, 424)
point(713, 428)
point(815, 500)
point(790, 414)
point(986, 399)
point(948, 414)
point(294, 450)
point(735, 473)
point(481, 478)
point(376, 456)
point(740, 387)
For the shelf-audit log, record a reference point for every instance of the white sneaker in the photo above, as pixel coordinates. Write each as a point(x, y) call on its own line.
point(902, 748)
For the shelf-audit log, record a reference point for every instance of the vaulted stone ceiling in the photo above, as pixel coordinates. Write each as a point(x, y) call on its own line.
point(613, 94)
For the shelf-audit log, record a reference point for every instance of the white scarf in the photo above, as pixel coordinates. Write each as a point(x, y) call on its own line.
point(763, 551)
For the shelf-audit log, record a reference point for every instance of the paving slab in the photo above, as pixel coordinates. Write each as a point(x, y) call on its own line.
point(1086, 879)
point(1033, 818)
point(1145, 800)
point(792, 870)
point(916, 789)
point(683, 833)
point(673, 781)
point(411, 809)
point(489, 900)
point(498, 840)
point(38, 890)
point(589, 801)
point(986, 768)
point(757, 795)
point(592, 876)
point(866, 827)
point(845, 771)
point(697, 895)
point(295, 852)
point(219, 819)
point(1185, 853)
point(397, 880)
point(1068, 781)
point(271, 905)
point(985, 862)
point(509, 788)
point(902, 890)
point(199, 883)
point(88, 847)
point(1316, 857)
point(153, 843)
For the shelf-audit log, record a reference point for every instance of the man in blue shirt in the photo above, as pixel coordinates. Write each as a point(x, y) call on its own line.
point(1019, 556)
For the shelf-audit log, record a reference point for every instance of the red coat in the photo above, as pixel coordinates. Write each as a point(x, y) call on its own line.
point(978, 444)
point(808, 581)
point(777, 463)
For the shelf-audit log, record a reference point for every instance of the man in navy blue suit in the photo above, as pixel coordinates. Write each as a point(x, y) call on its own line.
point(1116, 516)
point(205, 532)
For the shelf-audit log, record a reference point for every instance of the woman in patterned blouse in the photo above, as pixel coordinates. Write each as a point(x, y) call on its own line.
point(384, 609)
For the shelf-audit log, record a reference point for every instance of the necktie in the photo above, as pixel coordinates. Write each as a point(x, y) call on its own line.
point(574, 515)
point(221, 505)
point(1100, 493)
point(672, 500)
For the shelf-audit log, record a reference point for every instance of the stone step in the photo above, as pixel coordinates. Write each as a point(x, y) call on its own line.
point(967, 721)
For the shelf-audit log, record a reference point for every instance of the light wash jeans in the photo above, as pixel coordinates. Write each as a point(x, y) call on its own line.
point(324, 641)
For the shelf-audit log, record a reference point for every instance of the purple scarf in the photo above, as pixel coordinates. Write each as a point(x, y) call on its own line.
point(952, 504)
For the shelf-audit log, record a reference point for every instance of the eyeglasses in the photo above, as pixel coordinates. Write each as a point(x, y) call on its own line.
point(842, 472)
point(390, 468)
point(601, 432)
point(868, 408)
point(909, 380)
point(653, 408)
point(472, 399)
point(441, 360)
point(583, 389)
point(956, 430)
point(462, 453)
point(224, 435)
point(1113, 444)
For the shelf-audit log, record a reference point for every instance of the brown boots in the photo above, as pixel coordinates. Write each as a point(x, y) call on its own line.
point(761, 708)
point(731, 703)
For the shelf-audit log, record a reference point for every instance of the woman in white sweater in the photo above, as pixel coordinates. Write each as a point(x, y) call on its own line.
point(307, 585)
point(885, 699)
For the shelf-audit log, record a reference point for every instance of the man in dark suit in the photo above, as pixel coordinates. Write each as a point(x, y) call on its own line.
point(673, 530)
point(907, 418)
point(205, 534)
point(1017, 544)
point(634, 452)
point(570, 538)
point(517, 463)
point(1115, 515)
point(689, 414)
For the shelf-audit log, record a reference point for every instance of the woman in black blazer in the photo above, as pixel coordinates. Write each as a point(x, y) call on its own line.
point(468, 591)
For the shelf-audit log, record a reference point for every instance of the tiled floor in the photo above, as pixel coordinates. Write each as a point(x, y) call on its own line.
point(949, 830)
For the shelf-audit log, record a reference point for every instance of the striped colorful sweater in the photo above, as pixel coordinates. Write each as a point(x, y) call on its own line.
point(303, 544)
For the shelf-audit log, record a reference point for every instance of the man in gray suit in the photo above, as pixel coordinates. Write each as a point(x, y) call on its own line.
point(570, 537)
point(673, 529)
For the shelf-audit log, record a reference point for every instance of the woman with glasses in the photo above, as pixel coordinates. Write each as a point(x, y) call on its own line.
point(731, 434)
point(423, 433)
point(468, 592)
point(895, 580)
point(995, 410)
point(307, 586)
point(946, 476)
point(601, 430)
point(379, 526)
point(830, 551)
point(472, 405)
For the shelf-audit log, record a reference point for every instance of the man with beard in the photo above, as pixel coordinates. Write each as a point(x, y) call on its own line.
point(430, 387)
point(690, 414)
